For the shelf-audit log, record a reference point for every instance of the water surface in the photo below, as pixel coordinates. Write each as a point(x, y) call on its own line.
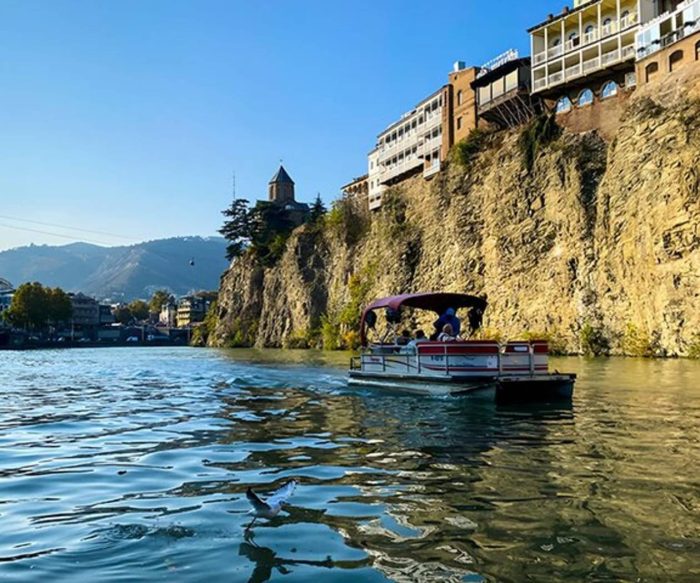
point(131, 465)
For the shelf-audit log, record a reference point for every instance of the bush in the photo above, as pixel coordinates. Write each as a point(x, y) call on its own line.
point(345, 220)
point(694, 348)
point(330, 333)
point(592, 340)
point(540, 132)
point(557, 344)
point(464, 151)
point(636, 342)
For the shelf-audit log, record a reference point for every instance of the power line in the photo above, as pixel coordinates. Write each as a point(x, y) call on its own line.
point(53, 234)
point(67, 228)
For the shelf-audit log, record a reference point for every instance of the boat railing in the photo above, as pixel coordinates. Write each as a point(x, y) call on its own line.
point(512, 358)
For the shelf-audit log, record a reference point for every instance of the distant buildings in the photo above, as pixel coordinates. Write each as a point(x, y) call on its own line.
point(6, 293)
point(190, 310)
point(168, 315)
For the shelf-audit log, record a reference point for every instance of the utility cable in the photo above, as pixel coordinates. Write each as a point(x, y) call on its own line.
point(72, 238)
point(67, 228)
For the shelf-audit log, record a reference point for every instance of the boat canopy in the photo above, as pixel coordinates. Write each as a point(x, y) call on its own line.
point(437, 302)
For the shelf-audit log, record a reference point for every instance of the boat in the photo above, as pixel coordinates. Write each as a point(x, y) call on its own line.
point(507, 371)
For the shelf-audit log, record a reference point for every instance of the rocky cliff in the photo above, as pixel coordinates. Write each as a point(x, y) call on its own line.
point(594, 244)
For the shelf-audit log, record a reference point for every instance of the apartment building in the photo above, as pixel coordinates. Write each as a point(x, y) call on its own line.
point(502, 91)
point(357, 188)
point(669, 41)
point(420, 140)
point(575, 53)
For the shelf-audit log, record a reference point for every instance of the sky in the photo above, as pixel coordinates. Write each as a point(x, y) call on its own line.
point(125, 120)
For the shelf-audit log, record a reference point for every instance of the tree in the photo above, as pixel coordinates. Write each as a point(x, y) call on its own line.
point(160, 298)
point(236, 228)
point(29, 306)
point(122, 315)
point(270, 226)
point(35, 306)
point(138, 309)
point(318, 209)
point(60, 307)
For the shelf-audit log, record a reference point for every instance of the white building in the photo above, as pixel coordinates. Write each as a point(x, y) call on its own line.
point(596, 36)
point(669, 28)
point(409, 145)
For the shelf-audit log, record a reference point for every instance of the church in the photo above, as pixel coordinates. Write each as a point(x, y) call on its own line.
point(281, 193)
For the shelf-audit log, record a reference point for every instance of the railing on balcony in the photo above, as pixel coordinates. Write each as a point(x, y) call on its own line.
point(591, 65)
point(540, 84)
point(556, 77)
point(628, 52)
point(611, 57)
point(606, 30)
point(573, 72)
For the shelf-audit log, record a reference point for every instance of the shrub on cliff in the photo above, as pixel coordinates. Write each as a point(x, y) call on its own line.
point(464, 151)
point(637, 342)
point(540, 132)
point(593, 341)
point(346, 221)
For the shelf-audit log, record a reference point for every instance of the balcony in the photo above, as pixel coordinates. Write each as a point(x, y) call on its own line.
point(433, 169)
point(573, 72)
point(587, 38)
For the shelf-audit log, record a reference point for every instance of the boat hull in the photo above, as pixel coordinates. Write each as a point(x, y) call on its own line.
point(504, 389)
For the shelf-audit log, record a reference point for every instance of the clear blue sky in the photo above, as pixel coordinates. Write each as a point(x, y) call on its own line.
point(129, 116)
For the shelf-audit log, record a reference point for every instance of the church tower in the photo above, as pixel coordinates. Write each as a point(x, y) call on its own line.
point(281, 187)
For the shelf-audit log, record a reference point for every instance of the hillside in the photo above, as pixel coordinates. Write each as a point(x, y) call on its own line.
point(594, 244)
point(120, 273)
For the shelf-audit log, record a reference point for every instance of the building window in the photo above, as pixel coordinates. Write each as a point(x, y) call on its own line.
point(564, 105)
point(585, 98)
point(589, 29)
point(624, 14)
point(651, 70)
point(459, 97)
point(608, 90)
point(674, 60)
point(556, 42)
point(697, 51)
point(459, 123)
point(607, 21)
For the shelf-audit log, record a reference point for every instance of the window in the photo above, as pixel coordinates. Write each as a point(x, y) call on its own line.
point(564, 105)
point(624, 14)
point(607, 21)
point(608, 90)
point(589, 29)
point(697, 51)
point(556, 42)
point(674, 60)
point(459, 97)
point(459, 123)
point(651, 70)
point(585, 98)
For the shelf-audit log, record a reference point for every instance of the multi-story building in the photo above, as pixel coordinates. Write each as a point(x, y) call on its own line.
point(168, 315)
point(584, 47)
point(86, 310)
point(190, 310)
point(502, 91)
point(420, 140)
point(669, 41)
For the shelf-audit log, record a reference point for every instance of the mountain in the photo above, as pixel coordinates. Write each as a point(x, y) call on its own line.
point(120, 273)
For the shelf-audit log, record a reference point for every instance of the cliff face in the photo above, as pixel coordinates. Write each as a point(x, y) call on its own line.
point(596, 246)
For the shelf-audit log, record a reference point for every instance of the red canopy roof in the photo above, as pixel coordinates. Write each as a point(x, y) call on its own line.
point(436, 302)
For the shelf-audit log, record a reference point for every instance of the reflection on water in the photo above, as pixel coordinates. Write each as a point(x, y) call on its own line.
point(132, 464)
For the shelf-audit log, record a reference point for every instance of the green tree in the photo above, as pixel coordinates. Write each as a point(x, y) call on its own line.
point(122, 315)
point(318, 209)
point(60, 307)
point(270, 227)
point(160, 298)
point(236, 227)
point(138, 309)
point(29, 307)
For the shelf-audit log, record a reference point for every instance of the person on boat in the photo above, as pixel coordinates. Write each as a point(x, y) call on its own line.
point(412, 346)
point(450, 318)
point(447, 334)
point(404, 339)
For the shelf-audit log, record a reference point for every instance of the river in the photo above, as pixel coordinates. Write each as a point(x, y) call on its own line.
point(131, 464)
